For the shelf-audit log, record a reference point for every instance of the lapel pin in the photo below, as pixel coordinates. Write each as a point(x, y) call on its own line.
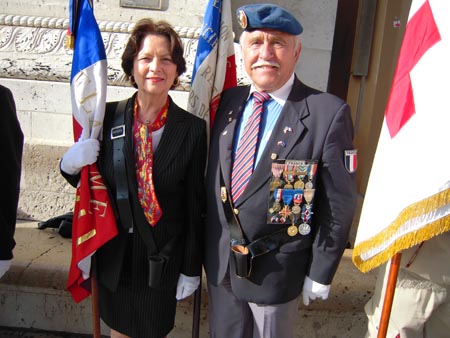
point(287, 130)
point(273, 156)
point(281, 144)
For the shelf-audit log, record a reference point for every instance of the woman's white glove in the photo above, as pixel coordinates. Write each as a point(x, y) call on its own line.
point(186, 286)
point(313, 290)
point(4, 266)
point(80, 154)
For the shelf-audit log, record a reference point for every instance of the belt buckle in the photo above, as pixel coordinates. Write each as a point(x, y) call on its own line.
point(234, 242)
point(118, 132)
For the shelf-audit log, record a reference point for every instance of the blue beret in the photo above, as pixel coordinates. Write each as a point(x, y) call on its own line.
point(260, 16)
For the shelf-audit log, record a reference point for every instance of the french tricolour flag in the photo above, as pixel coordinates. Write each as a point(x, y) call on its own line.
point(215, 64)
point(408, 195)
point(88, 79)
point(93, 221)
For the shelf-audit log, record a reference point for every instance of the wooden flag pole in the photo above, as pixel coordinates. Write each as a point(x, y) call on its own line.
point(94, 300)
point(389, 295)
point(196, 315)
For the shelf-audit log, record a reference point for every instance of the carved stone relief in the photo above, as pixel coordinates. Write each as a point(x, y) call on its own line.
point(34, 48)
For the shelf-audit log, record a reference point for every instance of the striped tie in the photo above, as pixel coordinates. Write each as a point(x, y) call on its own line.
point(245, 154)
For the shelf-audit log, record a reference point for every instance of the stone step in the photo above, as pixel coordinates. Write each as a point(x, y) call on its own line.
point(33, 294)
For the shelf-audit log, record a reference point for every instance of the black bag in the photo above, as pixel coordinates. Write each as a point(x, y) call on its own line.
point(62, 223)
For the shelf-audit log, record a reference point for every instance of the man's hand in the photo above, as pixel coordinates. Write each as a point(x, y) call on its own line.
point(313, 290)
point(80, 154)
point(4, 266)
point(186, 286)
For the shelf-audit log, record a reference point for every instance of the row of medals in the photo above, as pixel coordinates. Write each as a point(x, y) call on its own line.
point(293, 189)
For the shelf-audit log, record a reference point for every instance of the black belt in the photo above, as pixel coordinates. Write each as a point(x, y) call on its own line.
point(270, 242)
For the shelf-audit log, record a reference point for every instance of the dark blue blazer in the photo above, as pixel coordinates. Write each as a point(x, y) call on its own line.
point(322, 130)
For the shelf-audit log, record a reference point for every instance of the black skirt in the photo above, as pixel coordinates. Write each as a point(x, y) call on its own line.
point(135, 309)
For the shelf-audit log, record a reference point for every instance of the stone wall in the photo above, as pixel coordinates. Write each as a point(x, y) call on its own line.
point(35, 65)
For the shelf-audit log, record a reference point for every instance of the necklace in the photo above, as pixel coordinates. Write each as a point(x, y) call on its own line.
point(148, 121)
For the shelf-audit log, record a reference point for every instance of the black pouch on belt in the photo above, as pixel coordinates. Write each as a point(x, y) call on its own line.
point(157, 262)
point(244, 255)
point(242, 260)
point(156, 268)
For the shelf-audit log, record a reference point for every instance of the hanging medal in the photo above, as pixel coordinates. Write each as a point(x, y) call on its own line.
point(304, 228)
point(308, 195)
point(312, 168)
point(288, 175)
point(286, 213)
point(302, 171)
point(292, 230)
point(296, 209)
point(277, 195)
point(277, 169)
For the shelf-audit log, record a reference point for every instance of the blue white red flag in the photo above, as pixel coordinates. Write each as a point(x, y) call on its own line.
point(93, 221)
point(215, 64)
point(407, 200)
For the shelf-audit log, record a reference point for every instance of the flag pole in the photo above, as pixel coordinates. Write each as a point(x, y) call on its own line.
point(94, 300)
point(389, 295)
point(196, 315)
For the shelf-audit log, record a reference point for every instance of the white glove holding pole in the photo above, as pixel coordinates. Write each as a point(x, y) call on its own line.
point(186, 286)
point(313, 290)
point(80, 154)
point(4, 266)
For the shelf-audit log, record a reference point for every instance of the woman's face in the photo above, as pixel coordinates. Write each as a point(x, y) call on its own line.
point(153, 68)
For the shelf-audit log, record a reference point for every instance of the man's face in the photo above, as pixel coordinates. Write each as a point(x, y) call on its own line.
point(269, 57)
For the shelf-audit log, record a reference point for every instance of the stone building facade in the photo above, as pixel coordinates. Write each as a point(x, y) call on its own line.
point(36, 65)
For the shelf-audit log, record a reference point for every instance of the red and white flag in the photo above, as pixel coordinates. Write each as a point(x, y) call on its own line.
point(408, 195)
point(215, 64)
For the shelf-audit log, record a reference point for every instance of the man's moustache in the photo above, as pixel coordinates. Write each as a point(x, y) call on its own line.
point(266, 64)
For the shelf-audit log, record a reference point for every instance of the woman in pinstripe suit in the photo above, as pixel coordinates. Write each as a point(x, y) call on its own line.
point(164, 151)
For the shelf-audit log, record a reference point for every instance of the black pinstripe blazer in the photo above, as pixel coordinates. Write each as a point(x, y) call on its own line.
point(178, 174)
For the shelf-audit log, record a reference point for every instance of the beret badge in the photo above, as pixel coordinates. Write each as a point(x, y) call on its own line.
point(242, 19)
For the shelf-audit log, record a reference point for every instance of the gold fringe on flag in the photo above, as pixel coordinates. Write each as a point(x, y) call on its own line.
point(437, 225)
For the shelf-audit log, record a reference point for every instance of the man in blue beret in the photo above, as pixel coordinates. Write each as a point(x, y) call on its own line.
point(281, 186)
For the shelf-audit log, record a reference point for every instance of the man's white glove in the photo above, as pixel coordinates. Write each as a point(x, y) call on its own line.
point(4, 266)
point(313, 290)
point(81, 153)
point(186, 286)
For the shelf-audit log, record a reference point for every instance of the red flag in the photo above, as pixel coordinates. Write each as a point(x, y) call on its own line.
point(93, 221)
point(400, 106)
point(408, 195)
